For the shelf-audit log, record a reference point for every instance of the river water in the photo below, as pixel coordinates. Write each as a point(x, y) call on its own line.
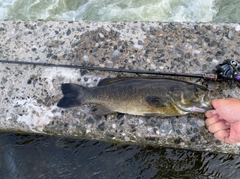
point(122, 10)
point(42, 157)
point(36, 156)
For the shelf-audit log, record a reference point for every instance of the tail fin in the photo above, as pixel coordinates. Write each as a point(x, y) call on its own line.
point(72, 95)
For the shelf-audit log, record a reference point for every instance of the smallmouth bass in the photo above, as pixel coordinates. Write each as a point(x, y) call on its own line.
point(145, 96)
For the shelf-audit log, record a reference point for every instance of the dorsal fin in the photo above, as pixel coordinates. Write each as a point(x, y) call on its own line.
point(107, 81)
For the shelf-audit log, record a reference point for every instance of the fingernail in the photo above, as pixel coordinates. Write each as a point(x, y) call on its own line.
point(220, 117)
point(227, 123)
point(214, 112)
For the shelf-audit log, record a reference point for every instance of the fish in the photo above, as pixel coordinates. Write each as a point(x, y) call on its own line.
point(142, 96)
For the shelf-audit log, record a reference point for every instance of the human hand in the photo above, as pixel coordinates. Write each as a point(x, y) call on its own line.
point(224, 120)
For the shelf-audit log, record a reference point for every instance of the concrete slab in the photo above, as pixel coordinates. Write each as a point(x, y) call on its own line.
point(29, 93)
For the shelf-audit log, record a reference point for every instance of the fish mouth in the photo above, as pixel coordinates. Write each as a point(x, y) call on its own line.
point(185, 110)
point(204, 105)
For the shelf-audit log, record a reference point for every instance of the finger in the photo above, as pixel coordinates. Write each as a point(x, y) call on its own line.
point(212, 120)
point(215, 102)
point(219, 102)
point(218, 126)
point(223, 135)
point(210, 113)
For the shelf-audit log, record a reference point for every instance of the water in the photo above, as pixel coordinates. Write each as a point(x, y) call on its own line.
point(122, 10)
point(35, 156)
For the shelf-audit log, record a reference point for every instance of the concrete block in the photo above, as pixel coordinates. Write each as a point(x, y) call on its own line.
point(29, 93)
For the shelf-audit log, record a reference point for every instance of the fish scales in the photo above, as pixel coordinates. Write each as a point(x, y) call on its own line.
point(139, 96)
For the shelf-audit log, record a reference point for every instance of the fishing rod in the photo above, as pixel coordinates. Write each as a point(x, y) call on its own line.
point(228, 70)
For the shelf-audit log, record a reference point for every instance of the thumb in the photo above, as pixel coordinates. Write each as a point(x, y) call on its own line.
point(217, 102)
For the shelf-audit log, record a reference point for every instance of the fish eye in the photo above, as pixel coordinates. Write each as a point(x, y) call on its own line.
point(195, 89)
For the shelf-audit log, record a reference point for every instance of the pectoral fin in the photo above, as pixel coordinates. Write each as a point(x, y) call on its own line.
point(101, 110)
point(155, 101)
